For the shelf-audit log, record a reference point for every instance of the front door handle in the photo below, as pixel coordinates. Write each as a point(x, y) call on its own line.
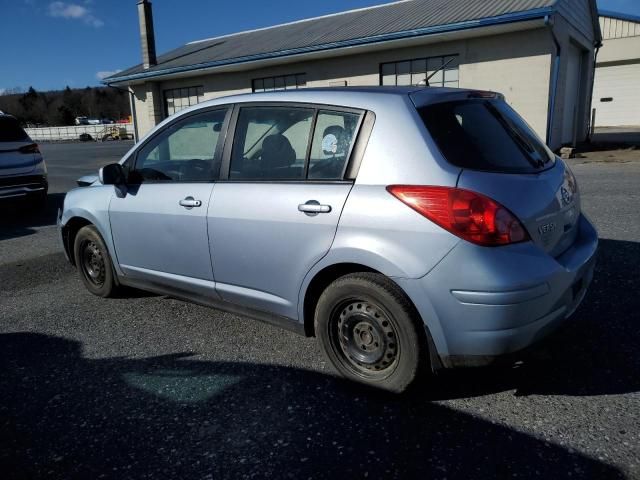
point(313, 208)
point(190, 202)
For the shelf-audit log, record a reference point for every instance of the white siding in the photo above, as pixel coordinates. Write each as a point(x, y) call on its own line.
point(616, 28)
point(522, 76)
point(579, 14)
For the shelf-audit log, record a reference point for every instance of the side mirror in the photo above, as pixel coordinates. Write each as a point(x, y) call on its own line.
point(112, 174)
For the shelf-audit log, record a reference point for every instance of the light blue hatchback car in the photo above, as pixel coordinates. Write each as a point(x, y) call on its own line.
point(406, 228)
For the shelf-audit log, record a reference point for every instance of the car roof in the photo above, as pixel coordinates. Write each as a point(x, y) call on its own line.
point(343, 91)
point(355, 97)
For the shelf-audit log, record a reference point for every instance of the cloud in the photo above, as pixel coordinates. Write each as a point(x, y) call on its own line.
point(101, 75)
point(73, 11)
point(2, 90)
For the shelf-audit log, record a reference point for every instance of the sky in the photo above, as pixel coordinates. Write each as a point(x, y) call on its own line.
point(51, 44)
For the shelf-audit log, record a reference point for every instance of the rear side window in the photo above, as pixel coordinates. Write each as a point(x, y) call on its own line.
point(332, 143)
point(10, 130)
point(485, 135)
point(271, 143)
point(292, 143)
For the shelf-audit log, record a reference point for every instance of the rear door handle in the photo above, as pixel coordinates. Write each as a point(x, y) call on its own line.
point(313, 208)
point(190, 202)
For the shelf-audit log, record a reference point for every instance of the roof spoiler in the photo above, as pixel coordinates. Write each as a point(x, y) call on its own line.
point(425, 96)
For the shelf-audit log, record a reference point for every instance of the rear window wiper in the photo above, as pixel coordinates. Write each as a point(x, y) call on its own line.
point(523, 144)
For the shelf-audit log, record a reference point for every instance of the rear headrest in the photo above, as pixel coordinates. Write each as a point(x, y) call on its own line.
point(334, 141)
point(277, 151)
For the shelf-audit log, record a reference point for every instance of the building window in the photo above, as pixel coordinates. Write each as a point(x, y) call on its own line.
point(285, 82)
point(415, 72)
point(180, 98)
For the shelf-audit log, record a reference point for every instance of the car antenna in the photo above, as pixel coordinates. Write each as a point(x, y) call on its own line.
point(443, 66)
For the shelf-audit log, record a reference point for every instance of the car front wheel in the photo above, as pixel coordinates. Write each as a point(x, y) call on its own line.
point(94, 262)
point(370, 331)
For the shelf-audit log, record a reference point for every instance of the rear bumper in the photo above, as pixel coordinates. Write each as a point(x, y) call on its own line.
point(481, 303)
point(23, 185)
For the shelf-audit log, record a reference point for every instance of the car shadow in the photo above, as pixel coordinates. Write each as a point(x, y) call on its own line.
point(595, 352)
point(19, 218)
point(68, 416)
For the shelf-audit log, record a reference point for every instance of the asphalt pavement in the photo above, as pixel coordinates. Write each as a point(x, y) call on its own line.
point(145, 386)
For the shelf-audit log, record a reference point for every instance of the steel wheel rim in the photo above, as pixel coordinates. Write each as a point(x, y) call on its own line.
point(365, 337)
point(93, 263)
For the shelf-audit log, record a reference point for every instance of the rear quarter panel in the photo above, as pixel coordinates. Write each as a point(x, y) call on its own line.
point(376, 229)
point(401, 151)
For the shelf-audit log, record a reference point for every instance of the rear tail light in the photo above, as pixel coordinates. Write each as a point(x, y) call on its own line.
point(31, 148)
point(466, 214)
point(570, 180)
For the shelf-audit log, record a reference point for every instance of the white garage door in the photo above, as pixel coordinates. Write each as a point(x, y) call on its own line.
point(616, 96)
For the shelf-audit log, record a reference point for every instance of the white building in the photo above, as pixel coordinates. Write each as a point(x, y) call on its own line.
point(616, 94)
point(539, 53)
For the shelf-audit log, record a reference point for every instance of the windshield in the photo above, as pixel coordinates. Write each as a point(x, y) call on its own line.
point(486, 134)
point(10, 131)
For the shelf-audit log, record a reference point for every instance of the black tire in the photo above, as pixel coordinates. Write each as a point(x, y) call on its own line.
point(94, 262)
point(370, 332)
point(38, 201)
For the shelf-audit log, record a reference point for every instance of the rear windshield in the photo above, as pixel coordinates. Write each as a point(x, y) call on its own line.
point(10, 131)
point(483, 134)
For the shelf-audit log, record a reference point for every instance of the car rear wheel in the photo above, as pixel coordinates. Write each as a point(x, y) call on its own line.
point(94, 262)
point(370, 332)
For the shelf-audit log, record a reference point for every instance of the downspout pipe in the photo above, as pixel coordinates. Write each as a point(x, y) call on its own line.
point(548, 21)
point(134, 116)
point(132, 107)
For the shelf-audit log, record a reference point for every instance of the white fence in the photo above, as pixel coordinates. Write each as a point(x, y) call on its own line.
point(97, 132)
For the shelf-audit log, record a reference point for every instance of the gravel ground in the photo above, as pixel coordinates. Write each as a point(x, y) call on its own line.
point(150, 387)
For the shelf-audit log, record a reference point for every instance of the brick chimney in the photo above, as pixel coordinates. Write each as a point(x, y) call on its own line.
point(147, 37)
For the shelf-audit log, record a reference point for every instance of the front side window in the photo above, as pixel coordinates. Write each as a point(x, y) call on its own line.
point(485, 135)
point(186, 151)
point(271, 143)
point(292, 143)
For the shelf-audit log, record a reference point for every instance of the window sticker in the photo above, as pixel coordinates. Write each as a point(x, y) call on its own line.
point(330, 143)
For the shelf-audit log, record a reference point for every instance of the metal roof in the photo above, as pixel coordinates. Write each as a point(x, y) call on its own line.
point(396, 20)
point(619, 15)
